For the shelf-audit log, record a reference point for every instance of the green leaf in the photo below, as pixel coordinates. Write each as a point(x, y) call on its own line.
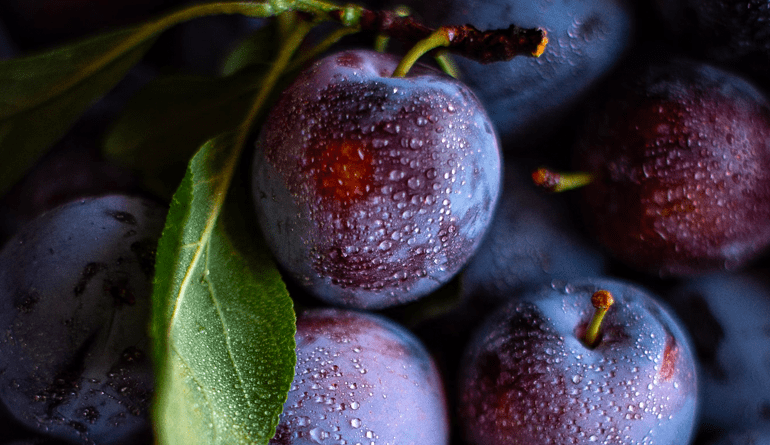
point(165, 123)
point(223, 324)
point(43, 95)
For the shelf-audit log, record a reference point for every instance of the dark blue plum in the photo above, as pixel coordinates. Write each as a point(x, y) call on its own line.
point(371, 190)
point(75, 288)
point(529, 378)
point(526, 97)
point(361, 378)
point(728, 316)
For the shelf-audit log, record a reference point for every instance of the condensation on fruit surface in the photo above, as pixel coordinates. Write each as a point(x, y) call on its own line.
point(361, 379)
point(526, 382)
point(398, 179)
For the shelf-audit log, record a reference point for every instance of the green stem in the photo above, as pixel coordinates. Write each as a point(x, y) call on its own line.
point(561, 182)
point(277, 68)
point(381, 43)
point(601, 300)
point(438, 39)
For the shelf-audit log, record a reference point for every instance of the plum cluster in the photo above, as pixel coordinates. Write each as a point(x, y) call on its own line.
point(443, 297)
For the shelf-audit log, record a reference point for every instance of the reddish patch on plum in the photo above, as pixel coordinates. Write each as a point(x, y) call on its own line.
point(670, 357)
point(345, 170)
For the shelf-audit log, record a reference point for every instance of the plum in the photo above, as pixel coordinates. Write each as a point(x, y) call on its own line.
point(680, 151)
point(75, 288)
point(528, 97)
point(361, 378)
point(371, 190)
point(531, 374)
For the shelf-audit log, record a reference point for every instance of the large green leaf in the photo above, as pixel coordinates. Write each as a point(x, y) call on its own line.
point(41, 96)
point(165, 123)
point(223, 323)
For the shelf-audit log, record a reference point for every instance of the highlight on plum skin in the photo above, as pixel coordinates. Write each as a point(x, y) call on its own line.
point(373, 191)
point(361, 378)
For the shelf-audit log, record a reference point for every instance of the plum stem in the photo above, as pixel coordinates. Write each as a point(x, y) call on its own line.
point(439, 38)
point(560, 182)
point(601, 300)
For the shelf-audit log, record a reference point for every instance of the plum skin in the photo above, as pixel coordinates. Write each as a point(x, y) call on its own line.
point(527, 377)
point(373, 191)
point(361, 378)
point(75, 288)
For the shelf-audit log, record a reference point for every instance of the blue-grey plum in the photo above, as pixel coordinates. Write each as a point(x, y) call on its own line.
point(529, 376)
point(528, 97)
point(75, 288)
point(361, 378)
point(372, 190)
point(728, 316)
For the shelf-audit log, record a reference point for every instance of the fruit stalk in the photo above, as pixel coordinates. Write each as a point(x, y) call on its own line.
point(560, 182)
point(496, 45)
point(601, 300)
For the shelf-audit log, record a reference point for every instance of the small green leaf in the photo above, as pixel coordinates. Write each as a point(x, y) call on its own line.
point(43, 95)
point(165, 123)
point(223, 324)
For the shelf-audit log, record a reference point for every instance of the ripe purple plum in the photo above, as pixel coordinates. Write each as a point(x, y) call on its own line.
point(531, 374)
point(680, 151)
point(361, 378)
point(372, 190)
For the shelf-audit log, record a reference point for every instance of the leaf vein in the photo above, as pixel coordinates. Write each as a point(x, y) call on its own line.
point(226, 333)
